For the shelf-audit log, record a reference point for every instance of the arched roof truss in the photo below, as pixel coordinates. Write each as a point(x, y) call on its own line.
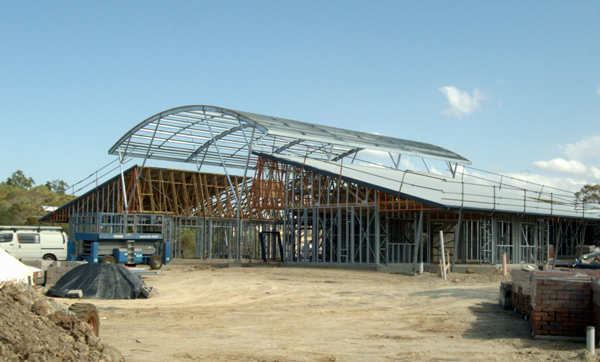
point(207, 135)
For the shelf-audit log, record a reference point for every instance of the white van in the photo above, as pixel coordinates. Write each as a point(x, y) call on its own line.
point(33, 242)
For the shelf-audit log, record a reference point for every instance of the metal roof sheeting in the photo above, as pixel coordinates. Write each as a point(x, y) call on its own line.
point(449, 193)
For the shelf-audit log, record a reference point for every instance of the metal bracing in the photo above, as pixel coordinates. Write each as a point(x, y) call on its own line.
point(567, 236)
point(419, 241)
point(457, 238)
point(523, 239)
point(506, 242)
point(542, 239)
point(183, 135)
point(486, 239)
point(331, 235)
point(529, 243)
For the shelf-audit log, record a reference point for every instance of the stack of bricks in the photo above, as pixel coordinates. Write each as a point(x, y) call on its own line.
point(53, 270)
point(521, 291)
point(561, 303)
point(595, 285)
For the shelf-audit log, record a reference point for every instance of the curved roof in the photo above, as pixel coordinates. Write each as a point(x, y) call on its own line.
point(214, 135)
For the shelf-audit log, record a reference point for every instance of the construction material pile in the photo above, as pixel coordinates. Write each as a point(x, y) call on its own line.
point(521, 290)
point(34, 328)
point(557, 302)
point(561, 303)
point(101, 281)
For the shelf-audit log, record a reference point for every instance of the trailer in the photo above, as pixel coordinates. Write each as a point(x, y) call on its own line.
point(129, 239)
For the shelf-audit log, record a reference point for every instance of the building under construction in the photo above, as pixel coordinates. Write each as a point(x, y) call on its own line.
point(307, 193)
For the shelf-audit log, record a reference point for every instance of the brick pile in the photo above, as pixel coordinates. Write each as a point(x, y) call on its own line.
point(595, 284)
point(561, 303)
point(521, 291)
point(558, 302)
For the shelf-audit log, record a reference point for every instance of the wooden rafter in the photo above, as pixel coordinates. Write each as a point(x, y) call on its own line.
point(164, 191)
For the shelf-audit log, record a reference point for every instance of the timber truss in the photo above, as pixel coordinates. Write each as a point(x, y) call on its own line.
point(171, 192)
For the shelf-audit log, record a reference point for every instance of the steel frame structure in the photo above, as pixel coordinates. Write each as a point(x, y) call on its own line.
point(328, 219)
point(208, 135)
point(323, 216)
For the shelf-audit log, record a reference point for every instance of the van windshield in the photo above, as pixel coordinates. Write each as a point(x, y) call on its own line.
point(5, 238)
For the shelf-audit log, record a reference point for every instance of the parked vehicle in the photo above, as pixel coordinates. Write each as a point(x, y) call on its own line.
point(34, 242)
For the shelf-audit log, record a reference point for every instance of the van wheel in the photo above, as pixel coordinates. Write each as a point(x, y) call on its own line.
point(87, 313)
point(108, 260)
point(49, 257)
point(155, 262)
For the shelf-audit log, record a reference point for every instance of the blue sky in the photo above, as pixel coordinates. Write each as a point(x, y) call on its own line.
point(513, 86)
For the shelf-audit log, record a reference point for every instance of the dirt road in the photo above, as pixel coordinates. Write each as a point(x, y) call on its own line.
point(298, 314)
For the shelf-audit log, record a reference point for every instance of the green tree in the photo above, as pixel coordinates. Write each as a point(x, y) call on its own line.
point(58, 186)
point(188, 243)
point(18, 179)
point(20, 206)
point(589, 194)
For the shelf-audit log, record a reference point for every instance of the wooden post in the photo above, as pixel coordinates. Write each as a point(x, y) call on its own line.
point(443, 255)
point(504, 271)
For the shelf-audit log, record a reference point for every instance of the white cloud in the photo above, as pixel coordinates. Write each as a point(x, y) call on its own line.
point(595, 172)
point(371, 164)
point(561, 165)
point(589, 147)
point(460, 101)
point(525, 180)
point(376, 153)
point(561, 183)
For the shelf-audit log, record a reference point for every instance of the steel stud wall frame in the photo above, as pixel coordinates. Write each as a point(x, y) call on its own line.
point(330, 220)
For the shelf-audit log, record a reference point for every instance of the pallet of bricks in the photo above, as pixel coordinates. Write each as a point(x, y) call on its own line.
point(596, 301)
point(521, 291)
point(561, 302)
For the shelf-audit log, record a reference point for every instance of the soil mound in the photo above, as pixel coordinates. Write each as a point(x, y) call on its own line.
point(35, 328)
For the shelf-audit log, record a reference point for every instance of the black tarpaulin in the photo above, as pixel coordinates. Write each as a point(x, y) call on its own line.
point(99, 281)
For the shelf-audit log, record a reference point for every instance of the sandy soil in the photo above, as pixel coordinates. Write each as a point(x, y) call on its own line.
point(297, 314)
point(36, 330)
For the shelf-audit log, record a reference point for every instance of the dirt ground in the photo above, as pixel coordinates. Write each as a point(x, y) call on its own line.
point(271, 314)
